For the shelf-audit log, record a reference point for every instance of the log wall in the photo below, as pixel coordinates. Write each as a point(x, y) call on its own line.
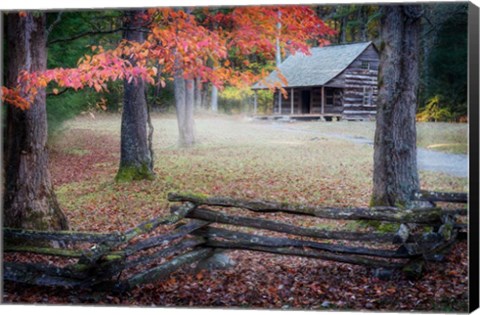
point(361, 86)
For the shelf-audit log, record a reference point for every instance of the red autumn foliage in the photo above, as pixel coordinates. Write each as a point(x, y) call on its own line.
point(201, 47)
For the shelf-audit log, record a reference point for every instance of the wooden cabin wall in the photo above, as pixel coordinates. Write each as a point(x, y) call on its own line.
point(316, 100)
point(361, 86)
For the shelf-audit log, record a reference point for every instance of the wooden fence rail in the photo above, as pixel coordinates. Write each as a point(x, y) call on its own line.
point(120, 261)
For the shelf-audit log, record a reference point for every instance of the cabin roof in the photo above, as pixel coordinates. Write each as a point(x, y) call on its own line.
point(317, 69)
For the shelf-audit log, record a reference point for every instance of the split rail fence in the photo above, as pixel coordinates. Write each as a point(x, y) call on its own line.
point(120, 261)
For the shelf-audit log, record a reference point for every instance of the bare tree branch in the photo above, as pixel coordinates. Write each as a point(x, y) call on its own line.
point(57, 20)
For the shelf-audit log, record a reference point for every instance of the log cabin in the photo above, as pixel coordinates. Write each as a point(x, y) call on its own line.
point(338, 81)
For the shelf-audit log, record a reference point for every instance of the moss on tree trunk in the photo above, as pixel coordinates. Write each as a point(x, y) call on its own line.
point(131, 173)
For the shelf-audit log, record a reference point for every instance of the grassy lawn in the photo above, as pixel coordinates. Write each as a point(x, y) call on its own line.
point(234, 157)
point(444, 137)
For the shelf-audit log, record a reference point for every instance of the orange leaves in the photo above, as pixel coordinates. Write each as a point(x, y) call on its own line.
point(282, 78)
point(13, 97)
point(202, 48)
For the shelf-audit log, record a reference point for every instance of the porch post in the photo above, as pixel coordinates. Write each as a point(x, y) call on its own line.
point(291, 101)
point(279, 102)
point(323, 100)
point(255, 97)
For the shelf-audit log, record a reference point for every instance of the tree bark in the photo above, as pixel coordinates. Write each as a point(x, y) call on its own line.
point(184, 99)
point(136, 160)
point(29, 200)
point(395, 174)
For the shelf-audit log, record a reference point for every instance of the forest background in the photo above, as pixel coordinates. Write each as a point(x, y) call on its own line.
point(443, 86)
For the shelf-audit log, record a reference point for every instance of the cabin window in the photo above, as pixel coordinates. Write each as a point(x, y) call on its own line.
point(365, 65)
point(329, 97)
point(332, 97)
point(367, 95)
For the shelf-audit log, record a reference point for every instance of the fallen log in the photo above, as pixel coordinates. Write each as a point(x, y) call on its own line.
point(434, 196)
point(219, 217)
point(210, 232)
point(391, 214)
point(356, 260)
point(163, 270)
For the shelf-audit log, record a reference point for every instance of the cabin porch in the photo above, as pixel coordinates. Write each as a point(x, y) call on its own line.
point(304, 117)
point(313, 102)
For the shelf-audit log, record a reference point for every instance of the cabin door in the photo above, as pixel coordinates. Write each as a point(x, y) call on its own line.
point(306, 96)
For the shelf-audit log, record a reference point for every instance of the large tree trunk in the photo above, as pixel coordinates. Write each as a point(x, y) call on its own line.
point(184, 99)
point(136, 160)
point(395, 174)
point(29, 200)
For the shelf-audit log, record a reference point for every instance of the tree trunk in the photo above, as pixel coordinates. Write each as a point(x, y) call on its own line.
point(29, 200)
point(214, 100)
point(136, 161)
point(205, 96)
point(278, 51)
point(198, 93)
point(342, 36)
point(183, 90)
point(395, 174)
point(363, 18)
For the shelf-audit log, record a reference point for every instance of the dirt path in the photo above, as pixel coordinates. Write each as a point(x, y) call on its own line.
point(427, 160)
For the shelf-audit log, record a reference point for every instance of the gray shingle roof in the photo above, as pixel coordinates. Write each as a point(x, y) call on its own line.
point(324, 64)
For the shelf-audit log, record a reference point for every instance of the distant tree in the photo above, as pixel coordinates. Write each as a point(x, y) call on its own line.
point(444, 69)
point(395, 174)
point(184, 103)
point(136, 156)
point(29, 200)
point(352, 22)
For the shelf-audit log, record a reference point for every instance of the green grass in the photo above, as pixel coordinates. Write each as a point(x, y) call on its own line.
point(445, 137)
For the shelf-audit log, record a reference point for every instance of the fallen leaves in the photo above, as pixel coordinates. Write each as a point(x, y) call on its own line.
point(253, 165)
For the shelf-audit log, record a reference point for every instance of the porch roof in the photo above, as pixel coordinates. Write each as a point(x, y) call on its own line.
point(317, 69)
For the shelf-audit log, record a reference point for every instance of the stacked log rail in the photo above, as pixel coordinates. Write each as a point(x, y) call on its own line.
point(107, 256)
point(411, 248)
point(120, 261)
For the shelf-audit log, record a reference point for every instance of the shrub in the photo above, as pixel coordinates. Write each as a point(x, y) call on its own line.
point(234, 101)
point(434, 112)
